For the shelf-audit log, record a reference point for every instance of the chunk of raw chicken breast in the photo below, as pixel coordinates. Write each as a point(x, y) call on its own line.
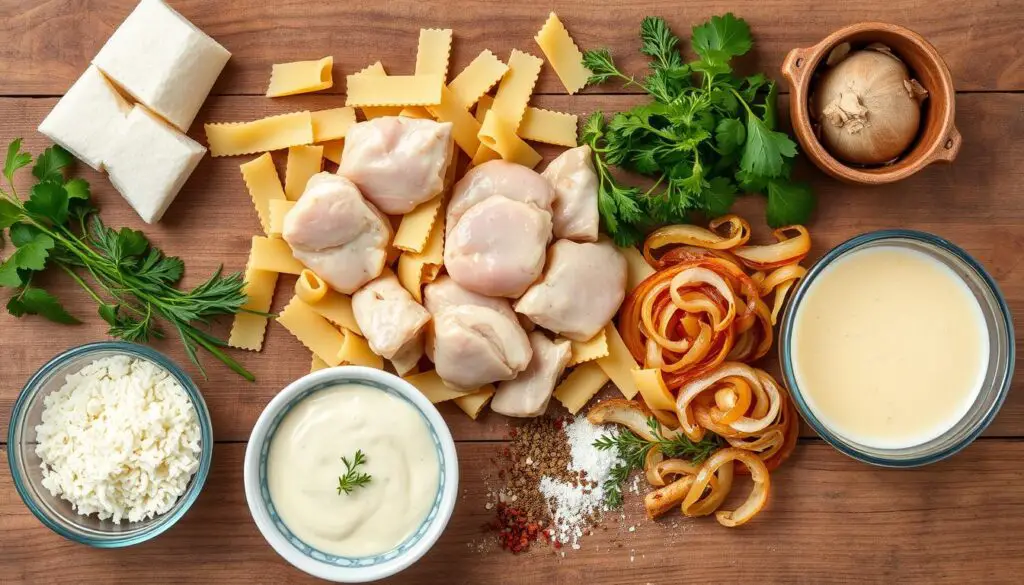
point(498, 227)
point(582, 288)
point(476, 339)
point(397, 162)
point(337, 234)
point(529, 393)
point(575, 207)
point(388, 316)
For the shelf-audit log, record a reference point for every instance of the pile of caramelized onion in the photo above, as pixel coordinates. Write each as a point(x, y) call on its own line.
point(694, 326)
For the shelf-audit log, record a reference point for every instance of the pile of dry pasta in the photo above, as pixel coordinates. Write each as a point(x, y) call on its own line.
point(695, 325)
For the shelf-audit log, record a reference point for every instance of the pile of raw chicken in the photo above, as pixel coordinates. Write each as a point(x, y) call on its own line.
point(526, 269)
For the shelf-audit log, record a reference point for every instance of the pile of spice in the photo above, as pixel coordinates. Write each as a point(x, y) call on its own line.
point(552, 480)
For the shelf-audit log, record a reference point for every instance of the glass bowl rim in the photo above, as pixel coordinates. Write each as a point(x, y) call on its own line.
point(851, 245)
point(184, 503)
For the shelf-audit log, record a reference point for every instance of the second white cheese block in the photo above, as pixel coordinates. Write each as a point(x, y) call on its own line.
point(163, 61)
point(88, 118)
point(150, 162)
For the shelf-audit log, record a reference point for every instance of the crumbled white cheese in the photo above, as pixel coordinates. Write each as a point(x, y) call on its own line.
point(120, 439)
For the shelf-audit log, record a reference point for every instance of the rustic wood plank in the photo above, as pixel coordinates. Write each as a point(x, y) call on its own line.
point(978, 38)
point(970, 202)
point(829, 519)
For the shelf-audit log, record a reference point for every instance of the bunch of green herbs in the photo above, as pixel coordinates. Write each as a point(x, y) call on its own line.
point(133, 282)
point(632, 451)
point(708, 134)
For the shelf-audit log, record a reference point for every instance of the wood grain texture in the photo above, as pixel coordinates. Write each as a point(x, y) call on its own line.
point(829, 519)
point(212, 221)
point(978, 38)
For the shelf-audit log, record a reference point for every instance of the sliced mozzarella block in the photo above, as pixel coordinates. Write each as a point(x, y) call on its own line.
point(163, 61)
point(88, 119)
point(150, 162)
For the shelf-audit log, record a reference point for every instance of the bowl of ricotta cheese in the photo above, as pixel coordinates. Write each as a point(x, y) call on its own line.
point(351, 474)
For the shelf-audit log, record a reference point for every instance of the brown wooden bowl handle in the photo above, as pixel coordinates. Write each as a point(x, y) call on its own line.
point(795, 67)
point(947, 151)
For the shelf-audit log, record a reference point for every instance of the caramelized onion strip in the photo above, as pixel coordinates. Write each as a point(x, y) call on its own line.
point(793, 245)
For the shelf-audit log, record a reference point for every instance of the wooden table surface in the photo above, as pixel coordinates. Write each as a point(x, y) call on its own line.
point(829, 518)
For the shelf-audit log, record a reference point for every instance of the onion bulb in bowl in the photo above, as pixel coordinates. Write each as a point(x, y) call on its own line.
point(867, 106)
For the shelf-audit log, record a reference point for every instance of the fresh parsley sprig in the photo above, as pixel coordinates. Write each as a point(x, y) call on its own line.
point(353, 479)
point(633, 450)
point(133, 282)
point(707, 135)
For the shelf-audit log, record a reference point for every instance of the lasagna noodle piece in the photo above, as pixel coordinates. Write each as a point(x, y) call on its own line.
point(329, 303)
point(264, 187)
point(433, 52)
point(619, 363)
point(273, 133)
point(394, 90)
point(484, 154)
point(516, 87)
point(356, 351)
point(310, 288)
point(410, 272)
point(563, 54)
point(333, 150)
point(332, 124)
point(483, 73)
point(416, 225)
point(416, 112)
point(464, 127)
point(317, 364)
point(590, 350)
point(637, 268)
point(300, 77)
point(549, 127)
point(248, 330)
point(497, 134)
point(653, 390)
point(473, 404)
point(313, 331)
point(303, 163)
point(274, 255)
point(279, 208)
point(580, 386)
point(371, 112)
point(431, 386)
point(483, 106)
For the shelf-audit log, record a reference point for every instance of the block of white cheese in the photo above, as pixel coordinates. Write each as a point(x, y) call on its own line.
point(90, 116)
point(163, 61)
point(150, 162)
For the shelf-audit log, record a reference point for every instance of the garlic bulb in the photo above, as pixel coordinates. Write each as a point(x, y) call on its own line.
point(868, 107)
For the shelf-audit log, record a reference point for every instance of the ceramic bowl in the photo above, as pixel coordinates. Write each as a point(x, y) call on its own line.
point(342, 569)
point(938, 139)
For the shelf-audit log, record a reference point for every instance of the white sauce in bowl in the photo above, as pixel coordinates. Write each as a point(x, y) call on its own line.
point(889, 347)
point(304, 464)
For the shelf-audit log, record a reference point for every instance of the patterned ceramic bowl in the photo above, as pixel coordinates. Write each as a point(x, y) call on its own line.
point(316, 562)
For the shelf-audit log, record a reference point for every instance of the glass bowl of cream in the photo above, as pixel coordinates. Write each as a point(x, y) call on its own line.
point(351, 474)
point(898, 348)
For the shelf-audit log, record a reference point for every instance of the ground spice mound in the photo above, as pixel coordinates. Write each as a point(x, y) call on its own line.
point(550, 483)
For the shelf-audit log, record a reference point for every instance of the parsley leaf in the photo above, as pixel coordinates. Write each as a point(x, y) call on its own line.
point(727, 34)
point(719, 196)
point(765, 149)
point(9, 214)
point(77, 189)
point(15, 159)
point(31, 254)
point(729, 135)
point(50, 201)
point(50, 165)
point(789, 203)
point(36, 301)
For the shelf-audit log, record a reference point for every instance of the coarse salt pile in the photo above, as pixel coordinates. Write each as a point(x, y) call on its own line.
point(120, 439)
point(576, 505)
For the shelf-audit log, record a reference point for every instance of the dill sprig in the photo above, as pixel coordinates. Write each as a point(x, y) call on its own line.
point(353, 479)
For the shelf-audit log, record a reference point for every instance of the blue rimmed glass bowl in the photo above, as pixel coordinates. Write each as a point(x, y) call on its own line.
point(318, 563)
point(56, 513)
point(999, 371)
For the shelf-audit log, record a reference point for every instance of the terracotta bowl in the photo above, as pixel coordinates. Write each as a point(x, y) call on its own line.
point(938, 139)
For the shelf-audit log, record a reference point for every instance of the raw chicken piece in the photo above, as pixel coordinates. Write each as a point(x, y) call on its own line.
point(582, 288)
point(575, 207)
point(388, 316)
point(476, 340)
point(528, 394)
point(407, 358)
point(397, 162)
point(337, 234)
point(498, 226)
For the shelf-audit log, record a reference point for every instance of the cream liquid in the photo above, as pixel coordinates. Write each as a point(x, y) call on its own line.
point(304, 464)
point(889, 347)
